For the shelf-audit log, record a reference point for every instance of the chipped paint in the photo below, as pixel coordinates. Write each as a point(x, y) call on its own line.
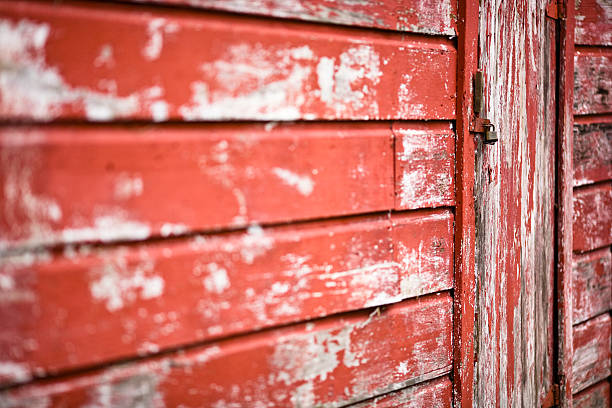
point(302, 183)
point(118, 282)
point(157, 29)
point(30, 88)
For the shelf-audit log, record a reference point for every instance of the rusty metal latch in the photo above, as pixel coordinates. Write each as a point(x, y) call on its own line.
point(480, 124)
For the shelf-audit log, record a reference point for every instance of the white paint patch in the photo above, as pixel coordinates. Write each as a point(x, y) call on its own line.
point(254, 243)
point(303, 184)
point(117, 283)
point(128, 186)
point(105, 57)
point(17, 372)
point(156, 30)
point(28, 88)
point(217, 280)
point(108, 228)
point(168, 229)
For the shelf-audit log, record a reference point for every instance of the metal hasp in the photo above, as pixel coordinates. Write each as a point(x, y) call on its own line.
point(479, 124)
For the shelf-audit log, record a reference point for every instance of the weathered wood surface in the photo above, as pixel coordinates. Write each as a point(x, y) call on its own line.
point(435, 393)
point(464, 290)
point(592, 284)
point(64, 184)
point(330, 362)
point(593, 80)
point(564, 144)
point(418, 16)
point(140, 299)
point(514, 206)
point(230, 67)
point(593, 217)
point(424, 166)
point(597, 396)
point(593, 22)
point(592, 152)
point(592, 352)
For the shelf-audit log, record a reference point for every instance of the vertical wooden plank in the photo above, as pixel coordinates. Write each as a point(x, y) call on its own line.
point(464, 299)
point(514, 206)
point(563, 200)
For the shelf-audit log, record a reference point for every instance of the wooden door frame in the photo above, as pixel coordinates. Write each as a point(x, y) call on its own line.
point(465, 234)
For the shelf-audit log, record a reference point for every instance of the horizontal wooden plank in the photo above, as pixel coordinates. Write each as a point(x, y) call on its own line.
point(593, 22)
point(592, 217)
point(592, 152)
point(88, 306)
point(64, 184)
point(592, 284)
point(418, 16)
point(597, 396)
point(435, 393)
point(593, 80)
point(330, 362)
point(154, 64)
point(592, 355)
point(424, 166)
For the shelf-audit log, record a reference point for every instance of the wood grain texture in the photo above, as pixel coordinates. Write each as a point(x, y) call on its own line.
point(419, 16)
point(564, 144)
point(592, 217)
point(592, 284)
point(231, 67)
point(592, 152)
point(65, 184)
point(424, 166)
point(140, 299)
point(593, 80)
point(597, 396)
point(465, 232)
point(592, 352)
point(593, 22)
point(331, 362)
point(514, 205)
point(435, 393)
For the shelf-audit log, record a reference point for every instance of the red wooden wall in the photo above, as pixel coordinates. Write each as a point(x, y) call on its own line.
point(592, 273)
point(223, 203)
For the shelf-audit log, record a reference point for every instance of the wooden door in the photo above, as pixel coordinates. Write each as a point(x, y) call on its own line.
point(515, 206)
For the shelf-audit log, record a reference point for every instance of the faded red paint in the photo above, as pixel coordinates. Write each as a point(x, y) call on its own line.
point(592, 284)
point(594, 397)
point(139, 300)
point(191, 67)
point(593, 22)
point(435, 393)
point(593, 80)
point(255, 174)
point(333, 362)
point(592, 352)
point(592, 217)
point(592, 150)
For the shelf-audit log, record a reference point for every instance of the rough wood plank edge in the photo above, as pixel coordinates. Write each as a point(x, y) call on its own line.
point(436, 392)
point(400, 15)
point(564, 208)
point(596, 396)
point(464, 294)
